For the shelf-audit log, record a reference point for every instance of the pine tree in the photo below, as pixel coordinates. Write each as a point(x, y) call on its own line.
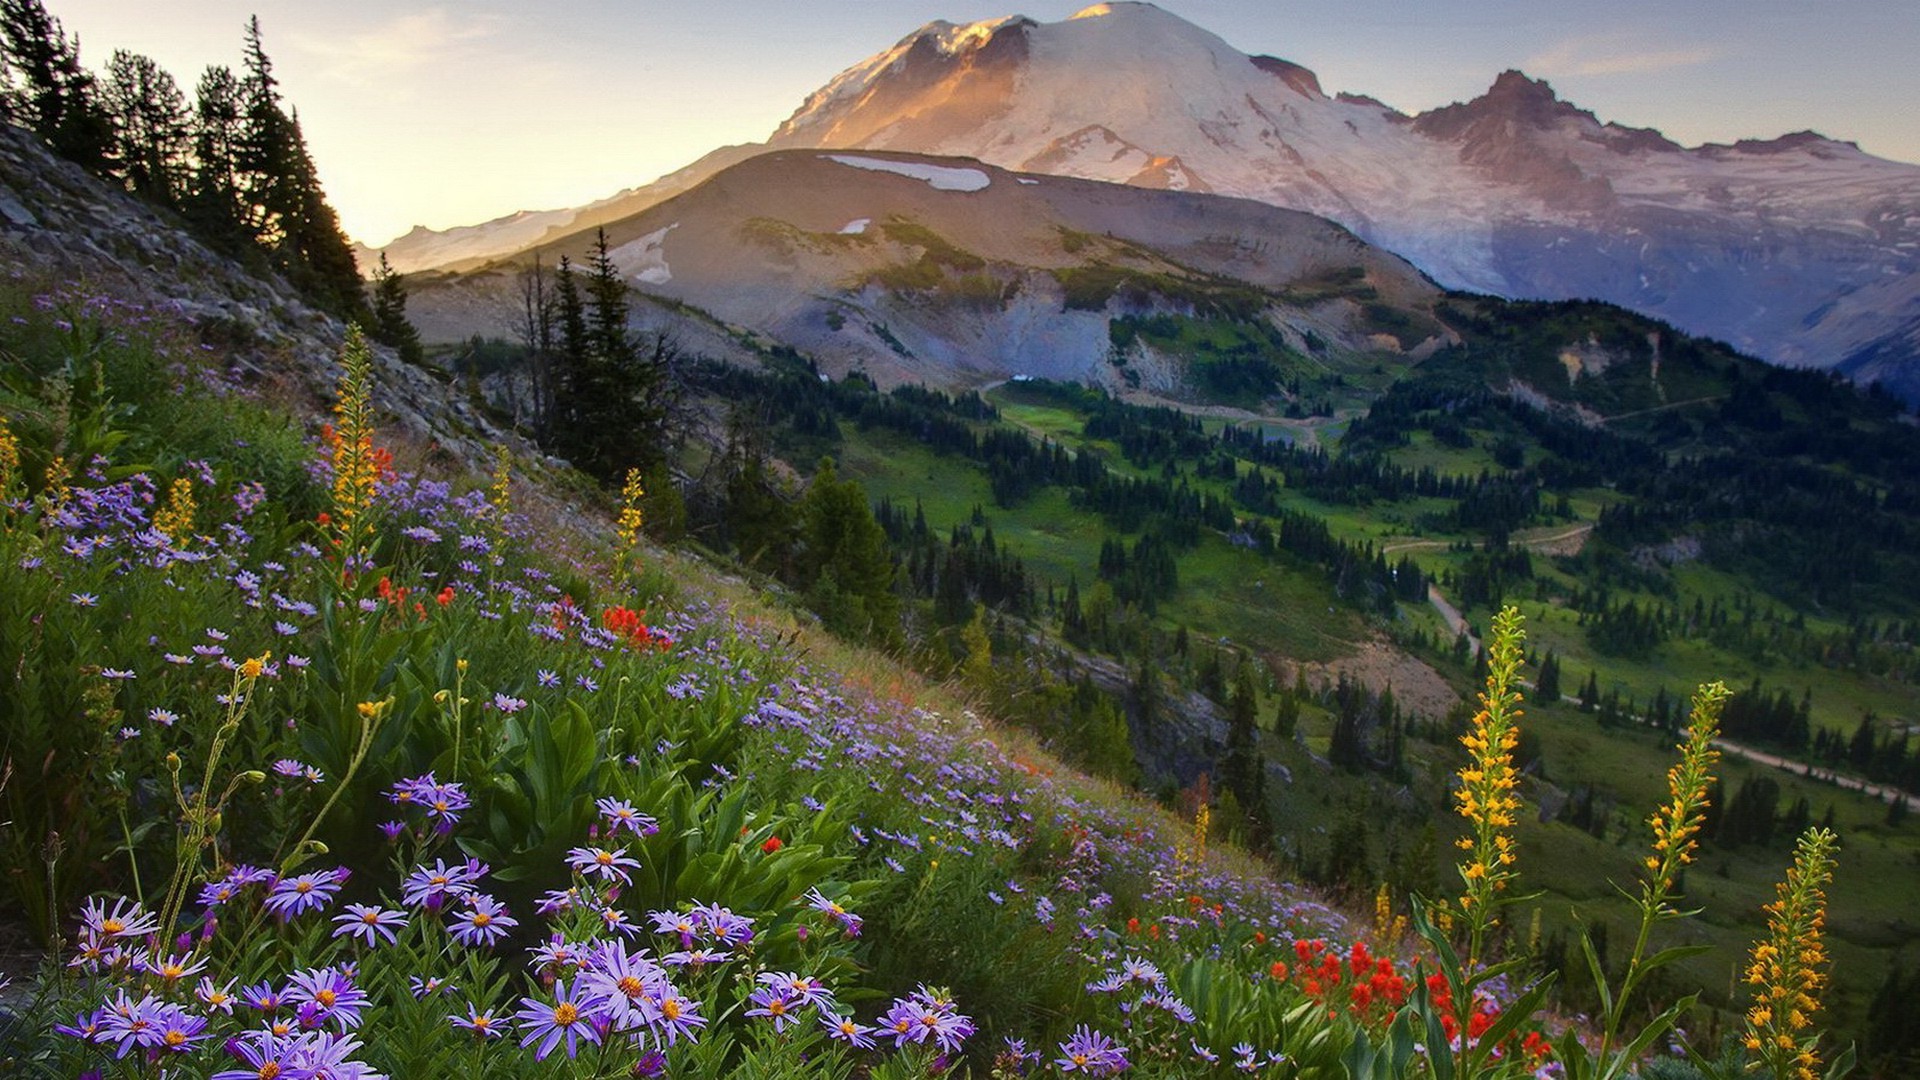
point(263, 148)
point(1546, 684)
point(57, 99)
point(845, 564)
point(314, 252)
point(390, 325)
point(152, 130)
point(215, 203)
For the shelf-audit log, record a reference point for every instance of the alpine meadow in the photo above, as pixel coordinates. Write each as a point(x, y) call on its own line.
point(1083, 552)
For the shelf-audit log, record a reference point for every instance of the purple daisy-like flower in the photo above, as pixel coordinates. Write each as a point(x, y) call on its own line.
point(802, 989)
point(264, 1053)
point(481, 1023)
point(568, 1016)
point(620, 814)
point(843, 1029)
point(326, 996)
point(180, 1030)
point(290, 898)
point(610, 864)
point(127, 919)
point(1088, 1051)
point(484, 922)
point(130, 1023)
point(773, 1003)
point(848, 921)
point(432, 886)
point(214, 996)
point(370, 923)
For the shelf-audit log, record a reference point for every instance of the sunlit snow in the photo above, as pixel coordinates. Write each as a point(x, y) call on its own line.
point(855, 227)
point(645, 260)
point(941, 177)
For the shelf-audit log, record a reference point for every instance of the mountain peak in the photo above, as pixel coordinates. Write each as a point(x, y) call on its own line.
point(1514, 100)
point(1123, 7)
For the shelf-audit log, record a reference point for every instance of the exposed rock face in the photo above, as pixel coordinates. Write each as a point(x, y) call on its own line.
point(57, 223)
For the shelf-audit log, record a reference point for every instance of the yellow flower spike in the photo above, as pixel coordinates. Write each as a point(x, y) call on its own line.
point(9, 458)
point(175, 519)
point(356, 467)
point(1789, 966)
point(1485, 796)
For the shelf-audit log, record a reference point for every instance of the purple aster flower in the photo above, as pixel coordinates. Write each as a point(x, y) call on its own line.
point(215, 997)
point(600, 862)
point(773, 1003)
point(481, 1022)
point(684, 923)
point(263, 1052)
point(180, 1030)
point(370, 923)
point(620, 814)
point(425, 987)
point(802, 989)
point(723, 925)
point(85, 1027)
point(484, 922)
point(432, 886)
point(558, 954)
point(508, 704)
point(290, 898)
point(130, 1023)
point(843, 1029)
point(326, 995)
point(171, 969)
point(1088, 1051)
point(848, 920)
point(547, 679)
point(570, 1016)
point(127, 919)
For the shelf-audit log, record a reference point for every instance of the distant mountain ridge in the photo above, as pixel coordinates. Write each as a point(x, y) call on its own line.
point(1802, 250)
point(948, 272)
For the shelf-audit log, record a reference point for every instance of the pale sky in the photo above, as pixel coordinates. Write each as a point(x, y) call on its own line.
point(451, 113)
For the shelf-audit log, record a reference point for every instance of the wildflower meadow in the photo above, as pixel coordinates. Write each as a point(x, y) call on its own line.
point(317, 765)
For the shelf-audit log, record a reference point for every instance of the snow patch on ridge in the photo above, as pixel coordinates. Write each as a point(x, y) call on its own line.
point(940, 177)
point(855, 227)
point(645, 260)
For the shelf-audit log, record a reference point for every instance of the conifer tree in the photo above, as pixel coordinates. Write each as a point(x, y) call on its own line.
point(390, 325)
point(215, 203)
point(152, 130)
point(57, 99)
point(846, 569)
point(1546, 684)
point(315, 253)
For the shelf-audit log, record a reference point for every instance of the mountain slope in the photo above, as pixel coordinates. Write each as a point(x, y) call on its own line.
point(945, 271)
point(1800, 250)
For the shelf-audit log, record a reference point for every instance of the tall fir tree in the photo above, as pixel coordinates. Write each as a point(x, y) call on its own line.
point(153, 131)
point(215, 202)
point(846, 567)
point(390, 325)
point(313, 251)
point(56, 98)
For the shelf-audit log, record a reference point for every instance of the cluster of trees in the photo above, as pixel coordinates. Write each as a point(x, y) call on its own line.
point(603, 395)
point(1879, 749)
point(961, 574)
point(232, 163)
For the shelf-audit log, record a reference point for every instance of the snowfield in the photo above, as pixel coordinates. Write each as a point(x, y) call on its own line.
point(941, 177)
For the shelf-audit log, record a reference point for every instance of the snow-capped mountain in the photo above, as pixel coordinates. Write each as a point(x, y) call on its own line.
point(1801, 249)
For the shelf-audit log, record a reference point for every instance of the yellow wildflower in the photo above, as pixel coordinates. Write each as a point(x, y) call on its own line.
point(1789, 967)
